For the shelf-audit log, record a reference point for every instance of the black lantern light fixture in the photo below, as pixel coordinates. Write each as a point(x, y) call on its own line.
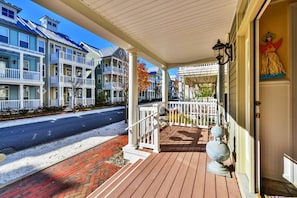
point(223, 52)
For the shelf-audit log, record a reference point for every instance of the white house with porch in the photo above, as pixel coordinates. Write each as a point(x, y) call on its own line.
point(69, 76)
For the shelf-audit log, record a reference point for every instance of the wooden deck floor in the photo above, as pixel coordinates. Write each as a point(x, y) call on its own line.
point(178, 171)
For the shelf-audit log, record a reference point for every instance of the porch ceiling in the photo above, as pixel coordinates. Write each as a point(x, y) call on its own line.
point(165, 32)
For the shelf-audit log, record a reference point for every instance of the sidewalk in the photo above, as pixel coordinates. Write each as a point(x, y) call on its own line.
point(20, 165)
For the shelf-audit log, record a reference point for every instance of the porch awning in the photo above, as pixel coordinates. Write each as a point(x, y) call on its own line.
point(193, 80)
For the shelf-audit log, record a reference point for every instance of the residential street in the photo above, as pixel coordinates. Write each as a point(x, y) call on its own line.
point(21, 136)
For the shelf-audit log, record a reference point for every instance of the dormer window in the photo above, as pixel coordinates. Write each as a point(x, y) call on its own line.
point(8, 13)
point(49, 23)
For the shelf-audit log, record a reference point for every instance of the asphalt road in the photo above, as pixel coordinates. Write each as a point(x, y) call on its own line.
point(20, 137)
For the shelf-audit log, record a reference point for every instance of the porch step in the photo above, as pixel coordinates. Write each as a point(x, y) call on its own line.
point(115, 180)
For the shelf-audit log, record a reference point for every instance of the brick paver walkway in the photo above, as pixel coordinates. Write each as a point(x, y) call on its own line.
point(74, 177)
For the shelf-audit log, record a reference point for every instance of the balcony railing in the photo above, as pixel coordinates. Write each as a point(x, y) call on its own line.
point(113, 70)
point(72, 81)
point(32, 75)
point(55, 57)
point(9, 73)
point(114, 85)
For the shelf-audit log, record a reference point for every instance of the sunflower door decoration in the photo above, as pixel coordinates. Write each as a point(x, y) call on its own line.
point(272, 67)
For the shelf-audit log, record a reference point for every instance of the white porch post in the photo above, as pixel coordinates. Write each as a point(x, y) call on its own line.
point(133, 98)
point(60, 88)
point(21, 67)
point(164, 87)
point(41, 80)
point(41, 95)
point(181, 94)
point(21, 96)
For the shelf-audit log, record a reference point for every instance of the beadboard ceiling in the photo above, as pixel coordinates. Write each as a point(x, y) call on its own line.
point(168, 33)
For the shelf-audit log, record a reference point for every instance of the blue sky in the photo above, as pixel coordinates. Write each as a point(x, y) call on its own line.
point(34, 12)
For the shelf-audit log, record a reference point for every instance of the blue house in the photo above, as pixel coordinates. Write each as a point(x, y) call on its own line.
point(21, 62)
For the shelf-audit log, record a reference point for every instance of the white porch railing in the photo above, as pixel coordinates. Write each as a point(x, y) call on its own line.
point(147, 128)
point(90, 101)
point(71, 58)
point(32, 75)
point(113, 70)
point(9, 73)
point(32, 104)
point(54, 102)
point(79, 101)
point(199, 114)
point(192, 114)
point(9, 104)
point(16, 104)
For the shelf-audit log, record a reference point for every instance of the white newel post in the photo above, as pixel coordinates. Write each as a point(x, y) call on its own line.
point(156, 130)
point(164, 87)
point(133, 99)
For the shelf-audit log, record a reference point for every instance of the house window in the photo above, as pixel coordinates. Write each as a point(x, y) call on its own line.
point(26, 92)
point(79, 94)
point(41, 46)
point(89, 93)
point(80, 57)
point(69, 53)
point(26, 65)
point(68, 72)
point(4, 92)
point(8, 13)
point(24, 40)
point(3, 34)
point(3, 64)
point(43, 71)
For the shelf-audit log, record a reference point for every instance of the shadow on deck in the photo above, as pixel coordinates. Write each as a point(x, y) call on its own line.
point(183, 139)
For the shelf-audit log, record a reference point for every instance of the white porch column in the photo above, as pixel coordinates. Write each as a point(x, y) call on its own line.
point(41, 68)
point(133, 99)
point(181, 94)
point(111, 94)
point(41, 95)
point(21, 96)
point(60, 88)
point(21, 66)
point(164, 86)
point(41, 80)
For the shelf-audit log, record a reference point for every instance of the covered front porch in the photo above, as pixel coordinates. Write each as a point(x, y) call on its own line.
point(179, 170)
